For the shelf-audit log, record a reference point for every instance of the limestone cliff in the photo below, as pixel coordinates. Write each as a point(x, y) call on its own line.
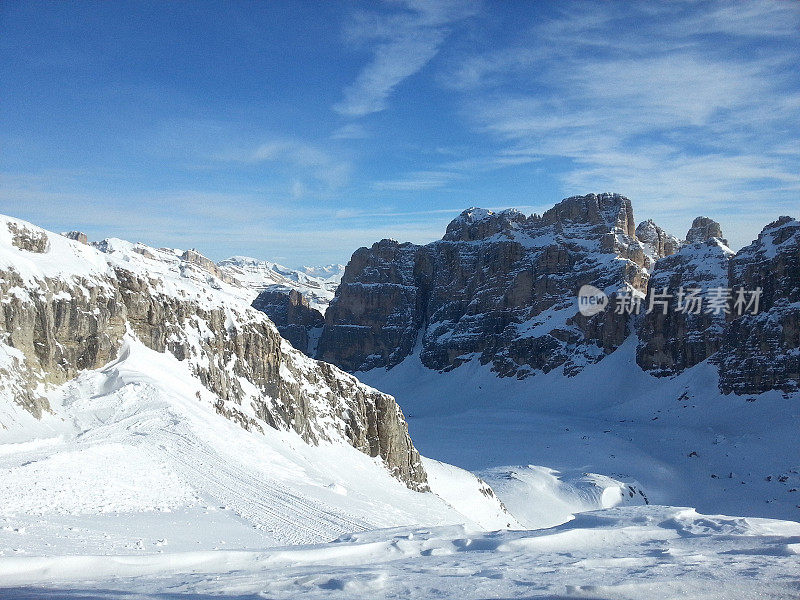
point(292, 314)
point(498, 287)
point(679, 332)
point(761, 351)
point(65, 307)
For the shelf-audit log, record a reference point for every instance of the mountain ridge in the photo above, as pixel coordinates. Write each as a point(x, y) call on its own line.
point(500, 288)
point(67, 307)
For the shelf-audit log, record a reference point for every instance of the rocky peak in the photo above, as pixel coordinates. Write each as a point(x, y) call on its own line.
point(670, 340)
point(374, 317)
point(478, 224)
point(386, 261)
point(193, 257)
point(487, 290)
point(605, 212)
point(704, 229)
point(657, 242)
point(776, 238)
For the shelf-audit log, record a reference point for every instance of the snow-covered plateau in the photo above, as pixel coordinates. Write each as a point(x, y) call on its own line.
point(158, 440)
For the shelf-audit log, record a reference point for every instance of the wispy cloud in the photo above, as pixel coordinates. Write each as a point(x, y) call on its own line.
point(305, 166)
point(680, 111)
point(351, 131)
point(450, 171)
point(217, 224)
point(402, 43)
point(417, 180)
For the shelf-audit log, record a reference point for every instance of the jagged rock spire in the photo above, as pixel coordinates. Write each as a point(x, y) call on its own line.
point(704, 229)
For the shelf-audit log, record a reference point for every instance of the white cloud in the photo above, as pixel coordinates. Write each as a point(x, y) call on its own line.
point(402, 43)
point(307, 166)
point(693, 106)
point(417, 180)
point(351, 131)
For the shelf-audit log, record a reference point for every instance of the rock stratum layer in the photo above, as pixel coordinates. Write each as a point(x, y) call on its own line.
point(66, 307)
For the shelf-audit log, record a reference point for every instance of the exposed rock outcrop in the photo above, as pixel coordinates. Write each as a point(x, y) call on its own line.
point(679, 331)
point(657, 242)
point(27, 238)
point(292, 315)
point(60, 316)
point(704, 229)
point(762, 351)
point(378, 308)
point(78, 236)
point(498, 287)
point(193, 257)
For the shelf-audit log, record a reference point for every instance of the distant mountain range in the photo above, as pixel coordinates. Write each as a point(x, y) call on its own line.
point(501, 289)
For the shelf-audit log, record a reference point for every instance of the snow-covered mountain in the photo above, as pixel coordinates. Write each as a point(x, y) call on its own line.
point(158, 436)
point(68, 307)
point(316, 284)
point(498, 287)
point(136, 367)
point(501, 289)
point(479, 334)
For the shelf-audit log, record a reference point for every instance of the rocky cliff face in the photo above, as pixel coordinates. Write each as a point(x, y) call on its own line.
point(66, 307)
point(378, 309)
point(499, 288)
point(754, 338)
point(657, 242)
point(703, 229)
point(762, 351)
point(677, 332)
point(293, 316)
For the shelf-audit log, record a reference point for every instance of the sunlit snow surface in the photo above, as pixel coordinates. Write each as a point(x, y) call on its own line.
point(135, 488)
point(675, 439)
point(632, 552)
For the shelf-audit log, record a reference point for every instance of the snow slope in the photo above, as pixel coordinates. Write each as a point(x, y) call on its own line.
point(677, 439)
point(631, 553)
point(135, 437)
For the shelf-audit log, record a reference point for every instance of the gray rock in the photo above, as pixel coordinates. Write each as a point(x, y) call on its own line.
point(487, 290)
point(78, 236)
point(291, 313)
point(704, 229)
point(671, 340)
point(193, 257)
point(30, 240)
point(657, 242)
point(762, 352)
point(378, 308)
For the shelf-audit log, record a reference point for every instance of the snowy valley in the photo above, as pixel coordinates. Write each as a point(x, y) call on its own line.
point(159, 438)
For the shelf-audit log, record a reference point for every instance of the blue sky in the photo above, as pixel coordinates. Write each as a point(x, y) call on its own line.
point(299, 131)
